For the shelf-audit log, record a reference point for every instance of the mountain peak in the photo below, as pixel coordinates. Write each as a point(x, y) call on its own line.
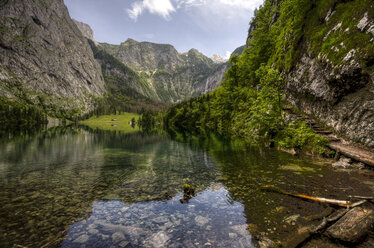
point(132, 41)
point(218, 59)
point(86, 30)
point(194, 51)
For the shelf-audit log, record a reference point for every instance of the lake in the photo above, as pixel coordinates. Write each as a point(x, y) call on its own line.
point(78, 187)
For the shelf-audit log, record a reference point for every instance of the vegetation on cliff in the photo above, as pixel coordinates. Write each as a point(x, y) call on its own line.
point(249, 102)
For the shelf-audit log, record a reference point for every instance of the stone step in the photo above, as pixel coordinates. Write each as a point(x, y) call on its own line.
point(287, 108)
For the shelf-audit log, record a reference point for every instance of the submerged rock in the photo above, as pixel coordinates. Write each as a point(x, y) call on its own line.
point(291, 219)
point(133, 232)
point(93, 231)
point(343, 163)
point(188, 193)
point(347, 163)
point(233, 235)
point(241, 229)
point(117, 237)
point(82, 239)
point(354, 226)
point(264, 242)
point(158, 239)
point(123, 244)
point(201, 221)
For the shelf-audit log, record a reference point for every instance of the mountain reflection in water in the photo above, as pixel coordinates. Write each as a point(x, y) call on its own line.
point(78, 187)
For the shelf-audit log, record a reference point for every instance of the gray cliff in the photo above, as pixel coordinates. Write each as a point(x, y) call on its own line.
point(340, 93)
point(331, 76)
point(86, 30)
point(45, 59)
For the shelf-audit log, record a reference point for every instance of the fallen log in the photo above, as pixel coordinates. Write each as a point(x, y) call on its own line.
point(357, 153)
point(327, 221)
point(347, 204)
point(320, 226)
point(337, 215)
point(354, 226)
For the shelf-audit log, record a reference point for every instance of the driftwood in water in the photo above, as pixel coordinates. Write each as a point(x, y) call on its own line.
point(340, 203)
point(362, 197)
point(320, 226)
point(330, 219)
point(337, 215)
point(354, 226)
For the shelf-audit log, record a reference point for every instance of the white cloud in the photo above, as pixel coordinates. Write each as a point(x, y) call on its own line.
point(246, 4)
point(227, 55)
point(162, 8)
point(218, 14)
point(137, 9)
point(165, 8)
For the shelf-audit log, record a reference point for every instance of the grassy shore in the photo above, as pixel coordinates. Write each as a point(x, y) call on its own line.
point(113, 122)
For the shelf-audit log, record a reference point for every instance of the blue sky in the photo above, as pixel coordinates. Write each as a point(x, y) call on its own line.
point(211, 26)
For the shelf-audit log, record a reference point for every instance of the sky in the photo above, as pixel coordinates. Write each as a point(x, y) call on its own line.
point(210, 26)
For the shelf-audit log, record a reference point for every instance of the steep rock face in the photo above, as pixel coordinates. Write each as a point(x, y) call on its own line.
point(328, 61)
point(44, 57)
point(343, 100)
point(145, 56)
point(168, 76)
point(337, 85)
point(85, 30)
point(214, 80)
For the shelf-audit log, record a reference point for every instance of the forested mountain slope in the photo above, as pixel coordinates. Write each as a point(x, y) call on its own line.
point(169, 76)
point(317, 55)
point(126, 89)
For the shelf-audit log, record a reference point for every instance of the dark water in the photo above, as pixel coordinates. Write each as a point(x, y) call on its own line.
point(72, 187)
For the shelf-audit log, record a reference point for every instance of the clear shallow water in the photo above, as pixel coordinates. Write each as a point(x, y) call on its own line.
point(208, 220)
point(74, 187)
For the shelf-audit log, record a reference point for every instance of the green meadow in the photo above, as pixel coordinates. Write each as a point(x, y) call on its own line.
point(119, 122)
